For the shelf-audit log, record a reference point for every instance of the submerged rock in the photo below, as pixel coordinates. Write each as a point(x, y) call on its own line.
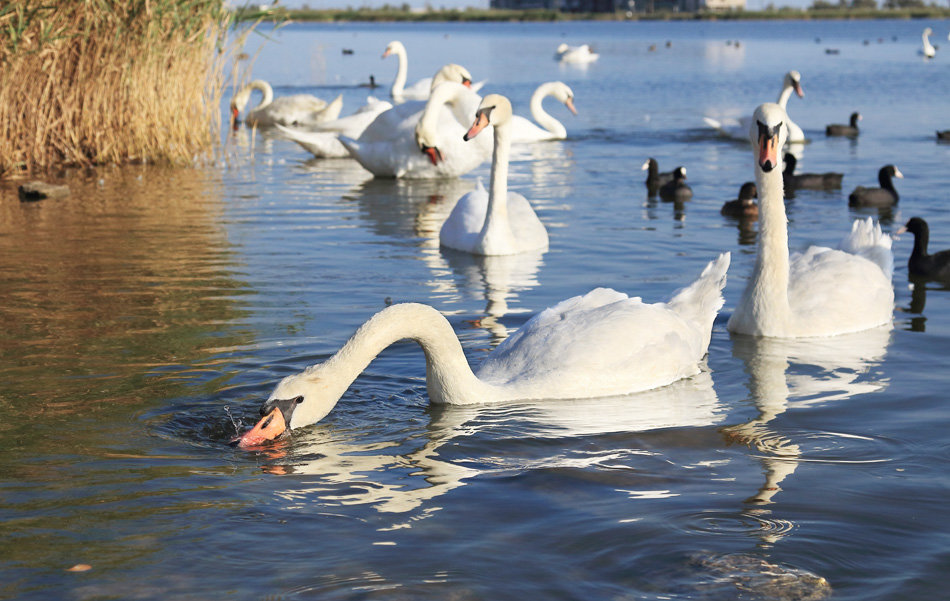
point(757, 578)
point(37, 190)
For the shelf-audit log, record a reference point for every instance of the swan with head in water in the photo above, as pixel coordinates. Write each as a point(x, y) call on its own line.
point(545, 127)
point(497, 222)
point(821, 292)
point(299, 109)
point(603, 343)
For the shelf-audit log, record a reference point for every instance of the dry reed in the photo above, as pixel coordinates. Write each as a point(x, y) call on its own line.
point(109, 81)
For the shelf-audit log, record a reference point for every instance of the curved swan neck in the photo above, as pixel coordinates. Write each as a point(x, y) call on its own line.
point(265, 90)
point(449, 379)
point(784, 95)
point(444, 93)
point(540, 116)
point(496, 218)
point(399, 84)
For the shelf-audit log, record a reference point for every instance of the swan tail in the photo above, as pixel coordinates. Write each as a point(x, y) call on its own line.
point(867, 240)
point(701, 301)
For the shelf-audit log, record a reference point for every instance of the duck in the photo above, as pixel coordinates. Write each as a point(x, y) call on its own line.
point(738, 129)
point(851, 130)
point(545, 127)
point(676, 190)
point(807, 181)
point(885, 196)
point(406, 142)
point(822, 291)
point(744, 206)
point(599, 344)
point(943, 135)
point(575, 54)
point(287, 110)
point(921, 263)
point(928, 49)
point(497, 222)
point(655, 178)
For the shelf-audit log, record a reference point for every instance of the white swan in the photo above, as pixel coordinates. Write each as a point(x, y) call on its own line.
point(325, 142)
point(821, 292)
point(600, 344)
point(738, 129)
point(496, 222)
point(928, 49)
point(286, 110)
point(406, 142)
point(421, 89)
point(547, 128)
point(575, 54)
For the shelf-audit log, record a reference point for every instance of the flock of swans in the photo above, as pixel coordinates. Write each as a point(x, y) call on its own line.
point(602, 343)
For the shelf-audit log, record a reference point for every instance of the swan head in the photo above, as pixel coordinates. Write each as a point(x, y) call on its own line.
point(238, 104)
point(562, 48)
point(794, 79)
point(928, 31)
point(298, 400)
point(563, 93)
point(452, 72)
point(768, 134)
point(494, 109)
point(394, 47)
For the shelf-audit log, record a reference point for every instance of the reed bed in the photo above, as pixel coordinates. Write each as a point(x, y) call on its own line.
point(85, 82)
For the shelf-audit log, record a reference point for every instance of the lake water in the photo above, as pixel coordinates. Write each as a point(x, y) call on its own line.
point(154, 309)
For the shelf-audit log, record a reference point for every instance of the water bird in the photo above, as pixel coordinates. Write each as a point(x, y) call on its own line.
point(823, 291)
point(839, 129)
point(497, 222)
point(545, 127)
point(575, 54)
point(738, 129)
point(603, 343)
point(807, 181)
point(419, 90)
point(744, 206)
point(655, 178)
point(944, 135)
point(921, 263)
point(676, 190)
point(347, 51)
point(884, 196)
point(285, 110)
point(927, 50)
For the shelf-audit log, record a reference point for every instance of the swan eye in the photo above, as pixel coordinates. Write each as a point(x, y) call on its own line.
point(298, 400)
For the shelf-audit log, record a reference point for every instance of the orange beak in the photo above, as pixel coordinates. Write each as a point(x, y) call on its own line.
point(481, 122)
point(434, 154)
point(385, 54)
point(270, 427)
point(570, 105)
point(467, 82)
point(234, 117)
point(768, 152)
point(799, 90)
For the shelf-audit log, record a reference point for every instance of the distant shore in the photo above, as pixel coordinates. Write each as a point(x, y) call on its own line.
point(541, 15)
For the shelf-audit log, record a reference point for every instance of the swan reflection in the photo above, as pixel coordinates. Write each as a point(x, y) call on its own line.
point(786, 373)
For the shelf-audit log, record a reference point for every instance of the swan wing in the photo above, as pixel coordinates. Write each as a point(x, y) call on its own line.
point(320, 144)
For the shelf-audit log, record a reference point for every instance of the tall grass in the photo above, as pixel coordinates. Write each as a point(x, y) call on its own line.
point(109, 81)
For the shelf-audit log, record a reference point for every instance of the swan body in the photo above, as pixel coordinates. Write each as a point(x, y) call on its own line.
point(423, 141)
point(602, 343)
point(575, 54)
point(325, 142)
point(738, 129)
point(850, 130)
point(885, 196)
point(676, 190)
point(807, 181)
point(928, 49)
point(743, 206)
point(921, 263)
point(823, 291)
point(286, 110)
point(497, 222)
point(546, 127)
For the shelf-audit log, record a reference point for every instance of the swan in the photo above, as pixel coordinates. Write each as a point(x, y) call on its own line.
point(496, 222)
point(602, 343)
point(420, 144)
point(738, 129)
point(523, 130)
point(676, 190)
point(575, 54)
point(821, 292)
point(807, 181)
point(744, 206)
point(286, 110)
point(422, 88)
point(655, 179)
point(325, 142)
point(922, 264)
point(928, 49)
point(885, 196)
point(851, 129)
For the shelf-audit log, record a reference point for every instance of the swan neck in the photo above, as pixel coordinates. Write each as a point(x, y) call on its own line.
point(449, 379)
point(784, 95)
point(265, 90)
point(399, 84)
point(542, 117)
point(497, 212)
point(771, 272)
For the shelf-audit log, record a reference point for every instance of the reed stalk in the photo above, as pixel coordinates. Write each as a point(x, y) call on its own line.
point(86, 82)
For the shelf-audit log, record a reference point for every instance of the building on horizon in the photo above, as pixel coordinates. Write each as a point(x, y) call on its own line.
point(610, 6)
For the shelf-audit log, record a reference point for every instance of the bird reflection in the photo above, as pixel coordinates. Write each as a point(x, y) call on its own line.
point(785, 373)
point(918, 300)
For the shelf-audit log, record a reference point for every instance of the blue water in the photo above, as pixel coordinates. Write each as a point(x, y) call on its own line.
point(147, 316)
